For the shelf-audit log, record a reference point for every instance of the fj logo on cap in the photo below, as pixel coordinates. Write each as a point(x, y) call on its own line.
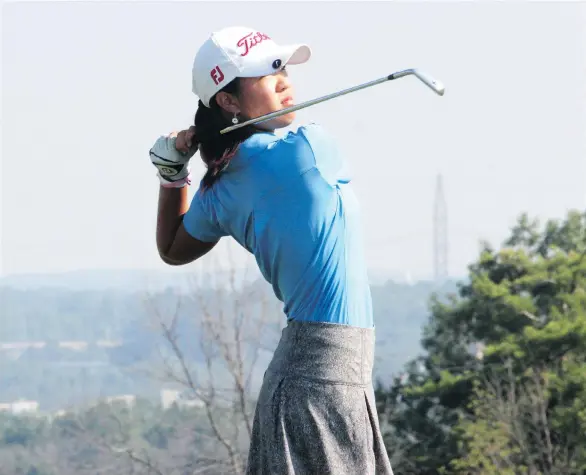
point(277, 63)
point(217, 75)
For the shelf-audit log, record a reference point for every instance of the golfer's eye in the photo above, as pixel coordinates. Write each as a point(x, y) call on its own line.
point(281, 72)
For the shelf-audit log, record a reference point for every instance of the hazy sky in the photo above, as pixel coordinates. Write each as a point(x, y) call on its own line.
point(88, 87)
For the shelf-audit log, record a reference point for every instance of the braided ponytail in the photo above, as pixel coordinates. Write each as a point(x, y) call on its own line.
point(217, 150)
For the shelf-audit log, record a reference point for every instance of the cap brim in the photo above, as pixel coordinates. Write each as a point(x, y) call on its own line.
point(296, 54)
point(289, 54)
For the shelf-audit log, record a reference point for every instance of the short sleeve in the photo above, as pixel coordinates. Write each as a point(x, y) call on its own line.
point(200, 220)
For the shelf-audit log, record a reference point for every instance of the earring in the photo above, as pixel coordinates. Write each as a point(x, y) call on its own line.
point(235, 119)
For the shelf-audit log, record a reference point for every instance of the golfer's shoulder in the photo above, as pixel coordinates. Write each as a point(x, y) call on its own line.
point(296, 152)
point(327, 155)
point(313, 134)
point(312, 140)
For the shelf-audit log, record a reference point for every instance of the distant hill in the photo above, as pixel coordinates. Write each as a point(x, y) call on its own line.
point(139, 280)
point(91, 330)
point(124, 280)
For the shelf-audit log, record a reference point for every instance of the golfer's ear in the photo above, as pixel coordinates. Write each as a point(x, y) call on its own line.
point(228, 102)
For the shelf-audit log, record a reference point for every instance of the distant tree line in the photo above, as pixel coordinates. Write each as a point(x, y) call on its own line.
point(60, 377)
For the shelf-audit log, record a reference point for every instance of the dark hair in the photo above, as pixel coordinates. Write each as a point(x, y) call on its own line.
point(217, 150)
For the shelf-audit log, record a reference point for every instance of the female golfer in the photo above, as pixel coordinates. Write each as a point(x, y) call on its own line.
point(288, 201)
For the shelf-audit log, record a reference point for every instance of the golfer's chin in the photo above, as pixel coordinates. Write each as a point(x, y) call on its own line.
point(278, 122)
point(285, 120)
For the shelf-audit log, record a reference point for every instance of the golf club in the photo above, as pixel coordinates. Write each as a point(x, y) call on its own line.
point(432, 83)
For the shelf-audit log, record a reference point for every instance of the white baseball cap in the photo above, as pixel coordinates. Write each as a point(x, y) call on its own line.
point(239, 52)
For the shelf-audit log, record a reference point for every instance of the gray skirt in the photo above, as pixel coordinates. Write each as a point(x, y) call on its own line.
point(316, 412)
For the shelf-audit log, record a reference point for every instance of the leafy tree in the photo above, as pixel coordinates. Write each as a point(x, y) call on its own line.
point(520, 323)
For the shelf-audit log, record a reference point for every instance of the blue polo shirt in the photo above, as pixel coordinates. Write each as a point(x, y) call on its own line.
point(289, 202)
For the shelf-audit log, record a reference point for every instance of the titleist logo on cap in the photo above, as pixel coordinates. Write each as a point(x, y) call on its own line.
point(250, 41)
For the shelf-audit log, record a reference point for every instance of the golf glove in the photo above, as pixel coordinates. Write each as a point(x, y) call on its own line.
point(172, 165)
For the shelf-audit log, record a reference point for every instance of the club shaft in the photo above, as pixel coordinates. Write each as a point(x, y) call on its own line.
point(305, 104)
point(434, 85)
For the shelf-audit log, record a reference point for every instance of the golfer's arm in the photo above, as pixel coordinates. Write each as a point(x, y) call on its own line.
point(176, 247)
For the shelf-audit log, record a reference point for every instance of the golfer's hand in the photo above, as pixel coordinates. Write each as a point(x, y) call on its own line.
point(171, 154)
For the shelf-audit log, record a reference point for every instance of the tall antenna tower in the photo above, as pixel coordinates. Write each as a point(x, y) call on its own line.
point(440, 233)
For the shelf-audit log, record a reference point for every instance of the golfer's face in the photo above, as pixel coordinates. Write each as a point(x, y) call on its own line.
point(267, 94)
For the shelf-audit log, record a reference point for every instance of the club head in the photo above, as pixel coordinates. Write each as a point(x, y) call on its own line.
point(435, 85)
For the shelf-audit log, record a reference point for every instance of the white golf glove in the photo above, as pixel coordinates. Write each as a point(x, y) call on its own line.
point(173, 165)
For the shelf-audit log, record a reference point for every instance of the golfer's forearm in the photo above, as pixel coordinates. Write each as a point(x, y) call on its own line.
point(173, 204)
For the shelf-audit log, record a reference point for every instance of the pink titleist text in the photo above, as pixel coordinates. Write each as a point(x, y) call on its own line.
point(250, 41)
